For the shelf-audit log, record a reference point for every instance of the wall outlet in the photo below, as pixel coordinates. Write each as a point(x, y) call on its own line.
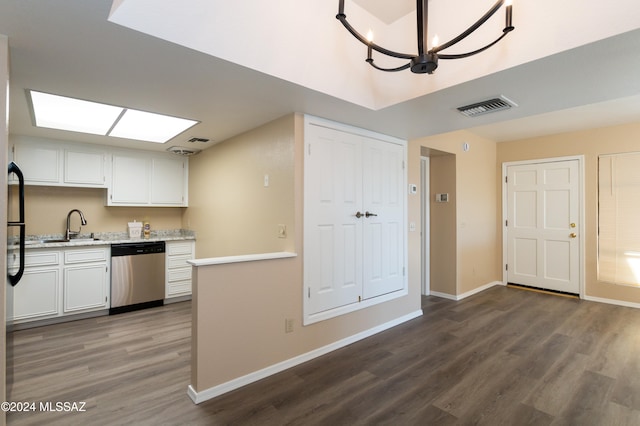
point(288, 325)
point(282, 231)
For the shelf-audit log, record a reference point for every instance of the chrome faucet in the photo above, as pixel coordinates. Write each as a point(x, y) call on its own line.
point(73, 234)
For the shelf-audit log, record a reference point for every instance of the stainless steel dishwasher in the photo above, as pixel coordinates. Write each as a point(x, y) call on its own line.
point(137, 276)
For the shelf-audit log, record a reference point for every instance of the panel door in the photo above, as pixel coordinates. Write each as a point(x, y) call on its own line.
point(84, 168)
point(383, 224)
point(39, 164)
point(36, 296)
point(543, 223)
point(332, 232)
point(168, 181)
point(85, 288)
point(130, 180)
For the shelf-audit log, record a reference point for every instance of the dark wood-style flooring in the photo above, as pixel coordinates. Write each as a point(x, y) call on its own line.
point(502, 357)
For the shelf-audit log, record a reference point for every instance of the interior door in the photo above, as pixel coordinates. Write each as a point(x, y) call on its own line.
point(333, 233)
point(543, 225)
point(383, 221)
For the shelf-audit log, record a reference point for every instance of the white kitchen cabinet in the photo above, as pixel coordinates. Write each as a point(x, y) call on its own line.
point(40, 164)
point(168, 181)
point(148, 179)
point(59, 282)
point(50, 163)
point(178, 274)
point(37, 294)
point(130, 177)
point(86, 280)
point(84, 168)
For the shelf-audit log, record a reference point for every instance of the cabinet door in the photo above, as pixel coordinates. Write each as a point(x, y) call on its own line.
point(40, 164)
point(168, 181)
point(130, 180)
point(36, 296)
point(85, 288)
point(84, 168)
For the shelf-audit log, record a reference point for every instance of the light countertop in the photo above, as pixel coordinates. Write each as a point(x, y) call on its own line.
point(100, 239)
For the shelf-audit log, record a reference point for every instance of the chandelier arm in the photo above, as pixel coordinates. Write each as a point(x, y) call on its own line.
point(469, 30)
point(422, 15)
point(404, 67)
point(466, 55)
point(343, 18)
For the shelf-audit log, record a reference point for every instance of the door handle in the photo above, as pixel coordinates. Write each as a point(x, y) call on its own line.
point(359, 215)
point(367, 214)
point(573, 235)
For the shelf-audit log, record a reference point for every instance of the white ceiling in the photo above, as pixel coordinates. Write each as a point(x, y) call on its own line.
point(387, 11)
point(69, 47)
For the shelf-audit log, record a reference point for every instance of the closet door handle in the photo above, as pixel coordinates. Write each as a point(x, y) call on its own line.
point(359, 215)
point(367, 214)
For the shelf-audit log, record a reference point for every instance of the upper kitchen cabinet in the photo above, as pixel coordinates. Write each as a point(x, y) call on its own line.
point(148, 179)
point(52, 163)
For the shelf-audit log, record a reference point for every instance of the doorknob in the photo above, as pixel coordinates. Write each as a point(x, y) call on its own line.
point(573, 235)
point(359, 215)
point(367, 214)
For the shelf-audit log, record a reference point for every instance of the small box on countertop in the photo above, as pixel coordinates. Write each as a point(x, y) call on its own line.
point(135, 229)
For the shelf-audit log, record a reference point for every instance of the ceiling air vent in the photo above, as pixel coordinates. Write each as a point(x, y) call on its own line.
point(486, 107)
point(183, 151)
point(198, 140)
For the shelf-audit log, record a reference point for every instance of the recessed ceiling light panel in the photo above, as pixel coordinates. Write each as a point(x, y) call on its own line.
point(149, 127)
point(62, 113)
point(76, 115)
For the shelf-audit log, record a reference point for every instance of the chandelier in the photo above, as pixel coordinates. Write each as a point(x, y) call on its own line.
point(426, 61)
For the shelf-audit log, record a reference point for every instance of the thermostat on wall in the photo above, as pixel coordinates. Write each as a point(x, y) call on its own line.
point(442, 198)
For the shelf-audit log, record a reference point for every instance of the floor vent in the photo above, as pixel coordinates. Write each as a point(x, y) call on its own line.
point(486, 107)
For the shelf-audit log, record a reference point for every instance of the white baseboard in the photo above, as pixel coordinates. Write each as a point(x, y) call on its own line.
point(467, 294)
point(612, 302)
point(198, 397)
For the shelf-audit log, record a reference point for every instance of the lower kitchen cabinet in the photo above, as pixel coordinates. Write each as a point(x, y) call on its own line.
point(37, 295)
point(58, 283)
point(178, 276)
point(86, 280)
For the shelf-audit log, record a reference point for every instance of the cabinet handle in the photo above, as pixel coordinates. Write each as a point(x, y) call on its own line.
point(367, 214)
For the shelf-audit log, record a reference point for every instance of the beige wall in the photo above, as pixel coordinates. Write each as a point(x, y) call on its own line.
point(590, 143)
point(478, 256)
point(442, 241)
point(4, 113)
point(47, 207)
point(229, 206)
point(240, 309)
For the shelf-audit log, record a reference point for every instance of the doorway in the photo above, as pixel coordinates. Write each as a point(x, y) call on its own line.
point(543, 219)
point(425, 225)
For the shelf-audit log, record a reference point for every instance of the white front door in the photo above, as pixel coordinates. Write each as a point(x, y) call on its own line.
point(543, 215)
point(383, 223)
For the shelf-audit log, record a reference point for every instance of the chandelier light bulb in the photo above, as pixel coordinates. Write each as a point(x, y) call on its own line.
point(370, 36)
point(435, 41)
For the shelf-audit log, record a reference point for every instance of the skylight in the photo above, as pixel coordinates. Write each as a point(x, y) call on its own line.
point(63, 113)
